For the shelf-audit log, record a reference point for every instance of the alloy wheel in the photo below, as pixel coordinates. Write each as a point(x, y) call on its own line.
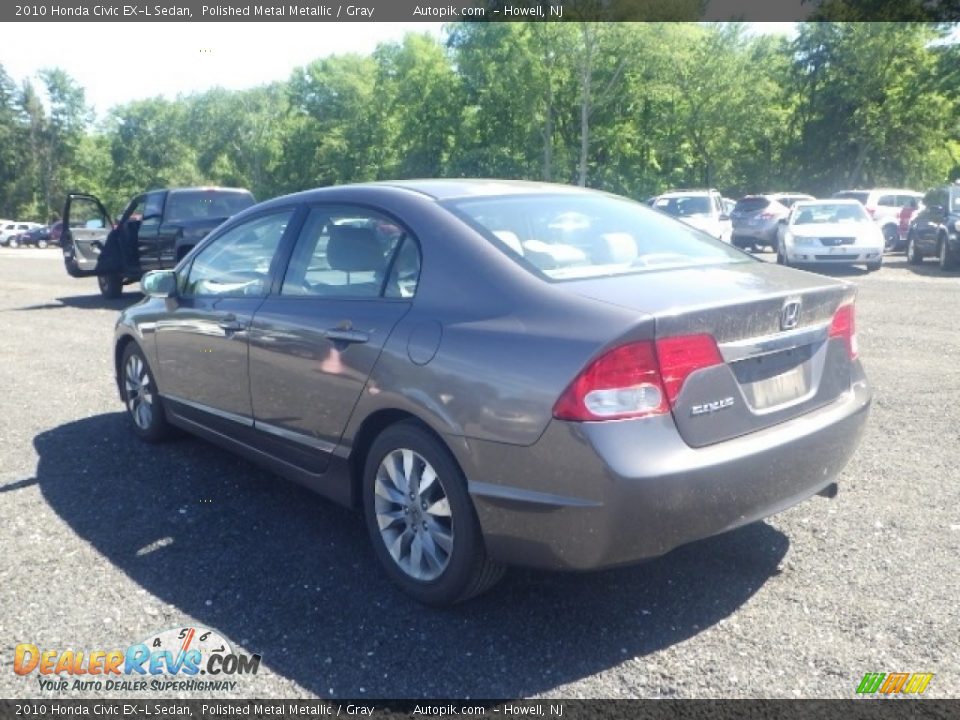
point(413, 514)
point(139, 394)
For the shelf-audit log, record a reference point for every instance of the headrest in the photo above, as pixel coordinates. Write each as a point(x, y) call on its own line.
point(353, 249)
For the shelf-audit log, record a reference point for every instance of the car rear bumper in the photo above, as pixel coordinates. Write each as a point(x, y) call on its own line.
point(599, 494)
point(766, 234)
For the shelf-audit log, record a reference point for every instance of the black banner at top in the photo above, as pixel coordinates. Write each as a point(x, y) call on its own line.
point(478, 10)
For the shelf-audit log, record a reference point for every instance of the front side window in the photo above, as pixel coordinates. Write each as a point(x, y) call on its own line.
point(237, 263)
point(571, 236)
point(345, 252)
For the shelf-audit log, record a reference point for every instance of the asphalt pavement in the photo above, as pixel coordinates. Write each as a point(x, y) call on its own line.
point(105, 541)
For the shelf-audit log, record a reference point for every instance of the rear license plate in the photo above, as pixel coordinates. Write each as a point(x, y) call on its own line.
point(772, 380)
point(780, 389)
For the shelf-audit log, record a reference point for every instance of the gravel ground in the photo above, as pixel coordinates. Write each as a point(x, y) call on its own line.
point(104, 541)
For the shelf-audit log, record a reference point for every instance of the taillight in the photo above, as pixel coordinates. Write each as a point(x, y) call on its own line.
point(680, 356)
point(767, 215)
point(844, 326)
point(872, 211)
point(636, 380)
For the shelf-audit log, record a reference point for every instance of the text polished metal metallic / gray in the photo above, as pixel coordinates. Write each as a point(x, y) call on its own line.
point(502, 373)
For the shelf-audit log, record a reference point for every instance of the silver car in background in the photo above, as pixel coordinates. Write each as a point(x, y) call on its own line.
point(501, 373)
point(830, 232)
point(756, 218)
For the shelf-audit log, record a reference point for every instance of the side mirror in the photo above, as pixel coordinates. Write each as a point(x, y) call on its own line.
point(159, 283)
point(783, 221)
point(724, 216)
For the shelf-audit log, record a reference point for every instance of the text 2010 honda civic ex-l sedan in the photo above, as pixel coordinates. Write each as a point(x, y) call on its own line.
point(501, 372)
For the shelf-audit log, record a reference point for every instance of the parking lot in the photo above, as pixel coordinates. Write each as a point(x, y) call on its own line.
point(106, 541)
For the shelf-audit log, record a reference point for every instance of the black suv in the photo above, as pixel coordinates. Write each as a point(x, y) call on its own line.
point(156, 230)
point(935, 229)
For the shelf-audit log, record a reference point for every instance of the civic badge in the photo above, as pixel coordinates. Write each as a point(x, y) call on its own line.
point(790, 314)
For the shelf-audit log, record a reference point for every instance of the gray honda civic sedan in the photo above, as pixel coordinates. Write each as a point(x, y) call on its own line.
point(501, 373)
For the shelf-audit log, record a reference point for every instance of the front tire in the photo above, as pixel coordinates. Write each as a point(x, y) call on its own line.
point(138, 388)
point(913, 254)
point(420, 518)
point(782, 255)
point(111, 286)
point(14, 243)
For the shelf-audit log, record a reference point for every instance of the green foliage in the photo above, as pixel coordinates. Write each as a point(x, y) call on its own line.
point(633, 108)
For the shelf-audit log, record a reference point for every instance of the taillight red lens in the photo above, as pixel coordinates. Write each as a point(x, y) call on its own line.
point(680, 356)
point(622, 383)
point(844, 326)
point(636, 380)
point(872, 211)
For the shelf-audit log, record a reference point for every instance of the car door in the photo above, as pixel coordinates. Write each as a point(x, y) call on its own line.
point(86, 224)
point(148, 246)
point(202, 341)
point(351, 276)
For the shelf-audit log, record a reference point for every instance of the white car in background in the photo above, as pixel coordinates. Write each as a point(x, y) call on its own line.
point(10, 230)
point(830, 232)
point(884, 206)
point(702, 209)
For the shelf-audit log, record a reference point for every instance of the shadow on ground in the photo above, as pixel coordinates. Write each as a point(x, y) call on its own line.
point(291, 577)
point(88, 302)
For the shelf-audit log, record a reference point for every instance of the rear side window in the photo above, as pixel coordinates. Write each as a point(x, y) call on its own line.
point(574, 236)
point(349, 252)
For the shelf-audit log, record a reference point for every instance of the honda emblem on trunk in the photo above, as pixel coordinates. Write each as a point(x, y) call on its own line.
point(790, 315)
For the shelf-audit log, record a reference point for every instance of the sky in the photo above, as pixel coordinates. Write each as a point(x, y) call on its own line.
point(119, 62)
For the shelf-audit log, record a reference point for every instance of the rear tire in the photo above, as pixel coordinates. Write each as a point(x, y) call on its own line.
point(891, 238)
point(913, 255)
point(138, 388)
point(430, 545)
point(111, 286)
point(947, 260)
point(42, 244)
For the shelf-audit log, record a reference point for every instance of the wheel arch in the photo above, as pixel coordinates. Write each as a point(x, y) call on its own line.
point(367, 433)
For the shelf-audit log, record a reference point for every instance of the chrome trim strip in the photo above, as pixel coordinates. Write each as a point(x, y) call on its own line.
point(754, 347)
point(504, 492)
point(241, 419)
point(296, 437)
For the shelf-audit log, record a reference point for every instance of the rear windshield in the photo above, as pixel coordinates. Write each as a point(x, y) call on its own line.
point(200, 204)
point(860, 197)
point(684, 206)
point(749, 204)
point(568, 236)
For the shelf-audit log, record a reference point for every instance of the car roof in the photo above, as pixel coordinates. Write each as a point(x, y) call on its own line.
point(882, 191)
point(827, 201)
point(686, 193)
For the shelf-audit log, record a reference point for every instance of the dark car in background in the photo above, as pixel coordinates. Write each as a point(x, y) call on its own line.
point(155, 231)
point(37, 237)
point(501, 373)
point(935, 229)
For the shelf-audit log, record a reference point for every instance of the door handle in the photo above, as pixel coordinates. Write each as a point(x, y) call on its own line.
point(231, 324)
point(346, 336)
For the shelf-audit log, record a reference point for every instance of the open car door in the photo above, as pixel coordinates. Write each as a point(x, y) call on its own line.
point(86, 226)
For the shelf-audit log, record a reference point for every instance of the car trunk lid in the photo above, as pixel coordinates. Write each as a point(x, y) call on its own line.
point(771, 326)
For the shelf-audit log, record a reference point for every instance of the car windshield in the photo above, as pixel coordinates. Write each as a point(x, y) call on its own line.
point(820, 213)
point(568, 236)
point(955, 200)
point(683, 206)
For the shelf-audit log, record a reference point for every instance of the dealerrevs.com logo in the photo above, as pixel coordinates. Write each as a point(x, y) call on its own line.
point(179, 659)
